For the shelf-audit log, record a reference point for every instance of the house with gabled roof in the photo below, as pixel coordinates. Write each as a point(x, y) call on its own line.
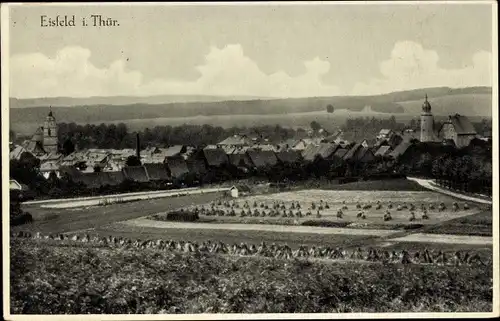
point(115, 177)
point(365, 155)
point(136, 173)
point(157, 172)
point(459, 129)
point(34, 147)
point(383, 151)
point(385, 134)
point(177, 167)
point(174, 151)
point(262, 158)
point(196, 166)
point(96, 158)
point(236, 140)
point(359, 153)
point(16, 152)
point(304, 142)
point(289, 156)
point(400, 149)
point(323, 150)
point(240, 159)
point(215, 157)
point(340, 153)
point(94, 179)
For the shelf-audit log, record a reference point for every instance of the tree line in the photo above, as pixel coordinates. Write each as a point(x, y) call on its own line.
point(119, 137)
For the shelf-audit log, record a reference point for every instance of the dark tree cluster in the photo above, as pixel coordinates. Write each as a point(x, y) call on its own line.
point(119, 137)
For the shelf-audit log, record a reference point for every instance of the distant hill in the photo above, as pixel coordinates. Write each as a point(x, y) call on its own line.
point(474, 101)
point(470, 104)
point(120, 100)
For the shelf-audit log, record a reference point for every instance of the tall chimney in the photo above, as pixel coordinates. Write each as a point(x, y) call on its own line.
point(137, 147)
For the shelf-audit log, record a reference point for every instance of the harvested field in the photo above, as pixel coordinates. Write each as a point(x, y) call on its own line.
point(82, 280)
point(230, 236)
point(300, 206)
point(140, 222)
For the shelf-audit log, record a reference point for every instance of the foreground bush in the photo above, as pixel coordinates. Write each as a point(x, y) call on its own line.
point(17, 215)
point(182, 216)
point(325, 223)
point(49, 279)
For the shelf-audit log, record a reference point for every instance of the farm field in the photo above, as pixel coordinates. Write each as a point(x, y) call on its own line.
point(292, 239)
point(476, 224)
point(66, 220)
point(103, 276)
point(82, 280)
point(256, 227)
point(299, 206)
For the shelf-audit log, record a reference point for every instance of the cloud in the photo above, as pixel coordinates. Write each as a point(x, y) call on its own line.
point(226, 71)
point(411, 66)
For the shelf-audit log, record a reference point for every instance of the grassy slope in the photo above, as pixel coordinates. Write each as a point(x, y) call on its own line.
point(63, 220)
point(374, 185)
point(53, 279)
point(477, 224)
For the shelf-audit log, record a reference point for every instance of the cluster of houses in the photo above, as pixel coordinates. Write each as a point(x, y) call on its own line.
point(97, 167)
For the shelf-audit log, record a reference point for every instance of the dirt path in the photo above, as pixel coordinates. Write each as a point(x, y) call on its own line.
point(117, 198)
point(427, 184)
point(445, 238)
point(144, 222)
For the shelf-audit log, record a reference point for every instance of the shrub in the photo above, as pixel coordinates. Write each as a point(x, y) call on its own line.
point(325, 223)
point(413, 226)
point(21, 219)
point(178, 216)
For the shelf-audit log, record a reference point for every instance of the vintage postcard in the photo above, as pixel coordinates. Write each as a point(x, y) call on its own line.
point(250, 160)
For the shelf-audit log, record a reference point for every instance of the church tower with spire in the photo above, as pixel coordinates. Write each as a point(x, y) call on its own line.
point(426, 122)
point(50, 142)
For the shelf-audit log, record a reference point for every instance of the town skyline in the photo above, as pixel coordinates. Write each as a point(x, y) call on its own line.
point(326, 51)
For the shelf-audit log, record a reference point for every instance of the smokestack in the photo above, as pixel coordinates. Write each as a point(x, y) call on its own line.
point(138, 147)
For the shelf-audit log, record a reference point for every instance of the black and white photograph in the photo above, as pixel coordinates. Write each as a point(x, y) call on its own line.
point(249, 160)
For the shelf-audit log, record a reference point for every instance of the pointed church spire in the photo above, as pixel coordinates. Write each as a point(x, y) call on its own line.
point(50, 111)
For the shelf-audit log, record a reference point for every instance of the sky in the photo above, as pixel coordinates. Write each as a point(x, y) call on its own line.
point(259, 50)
